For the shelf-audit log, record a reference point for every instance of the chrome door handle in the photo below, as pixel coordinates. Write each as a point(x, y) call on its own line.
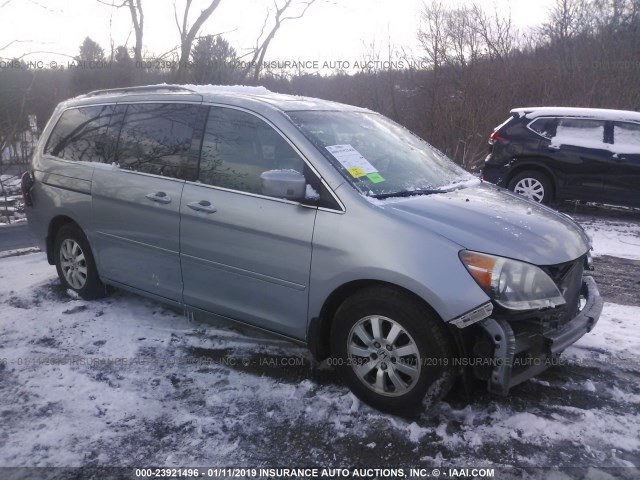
point(159, 197)
point(202, 206)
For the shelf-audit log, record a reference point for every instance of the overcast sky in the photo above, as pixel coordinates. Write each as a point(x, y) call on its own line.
point(331, 30)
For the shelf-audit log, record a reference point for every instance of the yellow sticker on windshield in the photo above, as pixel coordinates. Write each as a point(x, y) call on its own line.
point(375, 177)
point(357, 172)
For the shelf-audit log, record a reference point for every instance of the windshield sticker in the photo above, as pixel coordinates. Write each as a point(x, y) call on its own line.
point(350, 158)
point(375, 177)
point(356, 172)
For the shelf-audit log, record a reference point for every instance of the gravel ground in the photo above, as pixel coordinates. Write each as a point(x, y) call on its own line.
point(618, 279)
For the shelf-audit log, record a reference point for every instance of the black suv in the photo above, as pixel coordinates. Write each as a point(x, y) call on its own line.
point(556, 153)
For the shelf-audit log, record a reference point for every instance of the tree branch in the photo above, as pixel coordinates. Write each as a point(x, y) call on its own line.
point(188, 34)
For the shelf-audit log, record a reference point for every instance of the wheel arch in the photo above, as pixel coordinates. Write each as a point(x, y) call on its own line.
point(319, 331)
point(535, 166)
point(55, 225)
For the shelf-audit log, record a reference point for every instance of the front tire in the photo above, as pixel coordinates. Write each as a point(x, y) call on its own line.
point(533, 185)
point(392, 351)
point(75, 264)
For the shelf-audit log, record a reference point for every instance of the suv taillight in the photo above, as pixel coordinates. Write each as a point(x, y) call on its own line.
point(497, 135)
point(26, 185)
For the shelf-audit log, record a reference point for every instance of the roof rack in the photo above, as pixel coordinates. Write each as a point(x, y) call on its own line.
point(142, 89)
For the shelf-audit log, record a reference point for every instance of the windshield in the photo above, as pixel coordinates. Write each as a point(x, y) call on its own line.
point(379, 157)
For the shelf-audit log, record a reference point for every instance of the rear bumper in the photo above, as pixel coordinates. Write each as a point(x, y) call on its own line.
point(512, 362)
point(496, 174)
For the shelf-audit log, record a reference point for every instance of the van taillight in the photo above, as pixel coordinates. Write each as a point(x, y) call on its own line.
point(26, 185)
point(495, 136)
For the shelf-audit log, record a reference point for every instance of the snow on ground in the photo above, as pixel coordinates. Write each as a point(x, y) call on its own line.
point(11, 183)
point(618, 237)
point(616, 240)
point(125, 381)
point(18, 251)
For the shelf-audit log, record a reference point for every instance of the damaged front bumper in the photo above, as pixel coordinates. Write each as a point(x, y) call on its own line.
point(519, 354)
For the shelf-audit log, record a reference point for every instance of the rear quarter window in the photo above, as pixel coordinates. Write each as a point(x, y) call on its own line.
point(79, 134)
point(545, 127)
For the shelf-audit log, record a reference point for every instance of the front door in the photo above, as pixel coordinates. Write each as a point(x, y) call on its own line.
point(624, 186)
point(244, 254)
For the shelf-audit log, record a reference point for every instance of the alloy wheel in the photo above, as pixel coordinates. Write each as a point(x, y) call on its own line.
point(530, 188)
point(383, 355)
point(73, 263)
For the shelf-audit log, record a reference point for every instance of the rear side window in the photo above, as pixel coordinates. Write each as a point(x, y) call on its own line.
point(580, 132)
point(626, 136)
point(545, 126)
point(238, 147)
point(79, 135)
point(156, 138)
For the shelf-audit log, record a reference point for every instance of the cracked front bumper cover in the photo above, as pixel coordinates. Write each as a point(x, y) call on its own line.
point(507, 345)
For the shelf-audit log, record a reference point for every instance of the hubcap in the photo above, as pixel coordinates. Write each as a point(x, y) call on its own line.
point(73, 263)
point(530, 188)
point(383, 355)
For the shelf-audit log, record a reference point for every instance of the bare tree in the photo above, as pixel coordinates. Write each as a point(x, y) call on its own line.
point(433, 33)
point(281, 12)
point(459, 43)
point(568, 19)
point(137, 20)
point(188, 34)
point(434, 39)
point(613, 15)
point(496, 32)
point(463, 37)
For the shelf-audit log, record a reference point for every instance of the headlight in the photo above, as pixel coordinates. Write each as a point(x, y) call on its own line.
point(512, 284)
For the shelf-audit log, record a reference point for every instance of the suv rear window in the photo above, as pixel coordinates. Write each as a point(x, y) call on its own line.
point(79, 134)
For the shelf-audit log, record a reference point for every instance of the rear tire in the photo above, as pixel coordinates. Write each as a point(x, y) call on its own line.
point(533, 185)
point(392, 351)
point(75, 264)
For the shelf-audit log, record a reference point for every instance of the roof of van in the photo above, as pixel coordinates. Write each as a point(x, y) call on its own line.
point(599, 113)
point(234, 95)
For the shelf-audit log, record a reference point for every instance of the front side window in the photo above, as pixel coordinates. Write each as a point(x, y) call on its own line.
point(156, 138)
point(626, 137)
point(379, 157)
point(79, 135)
point(238, 148)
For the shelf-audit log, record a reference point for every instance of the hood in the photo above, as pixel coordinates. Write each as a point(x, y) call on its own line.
point(487, 219)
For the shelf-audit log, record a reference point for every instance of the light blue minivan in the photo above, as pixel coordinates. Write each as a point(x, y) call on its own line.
point(325, 223)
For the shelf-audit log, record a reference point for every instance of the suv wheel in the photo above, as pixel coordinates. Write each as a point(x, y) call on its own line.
point(534, 185)
point(75, 264)
point(392, 351)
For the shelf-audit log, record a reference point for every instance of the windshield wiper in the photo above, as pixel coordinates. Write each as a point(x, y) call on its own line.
point(407, 193)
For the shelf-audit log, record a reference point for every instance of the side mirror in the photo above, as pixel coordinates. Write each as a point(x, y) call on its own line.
point(288, 184)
